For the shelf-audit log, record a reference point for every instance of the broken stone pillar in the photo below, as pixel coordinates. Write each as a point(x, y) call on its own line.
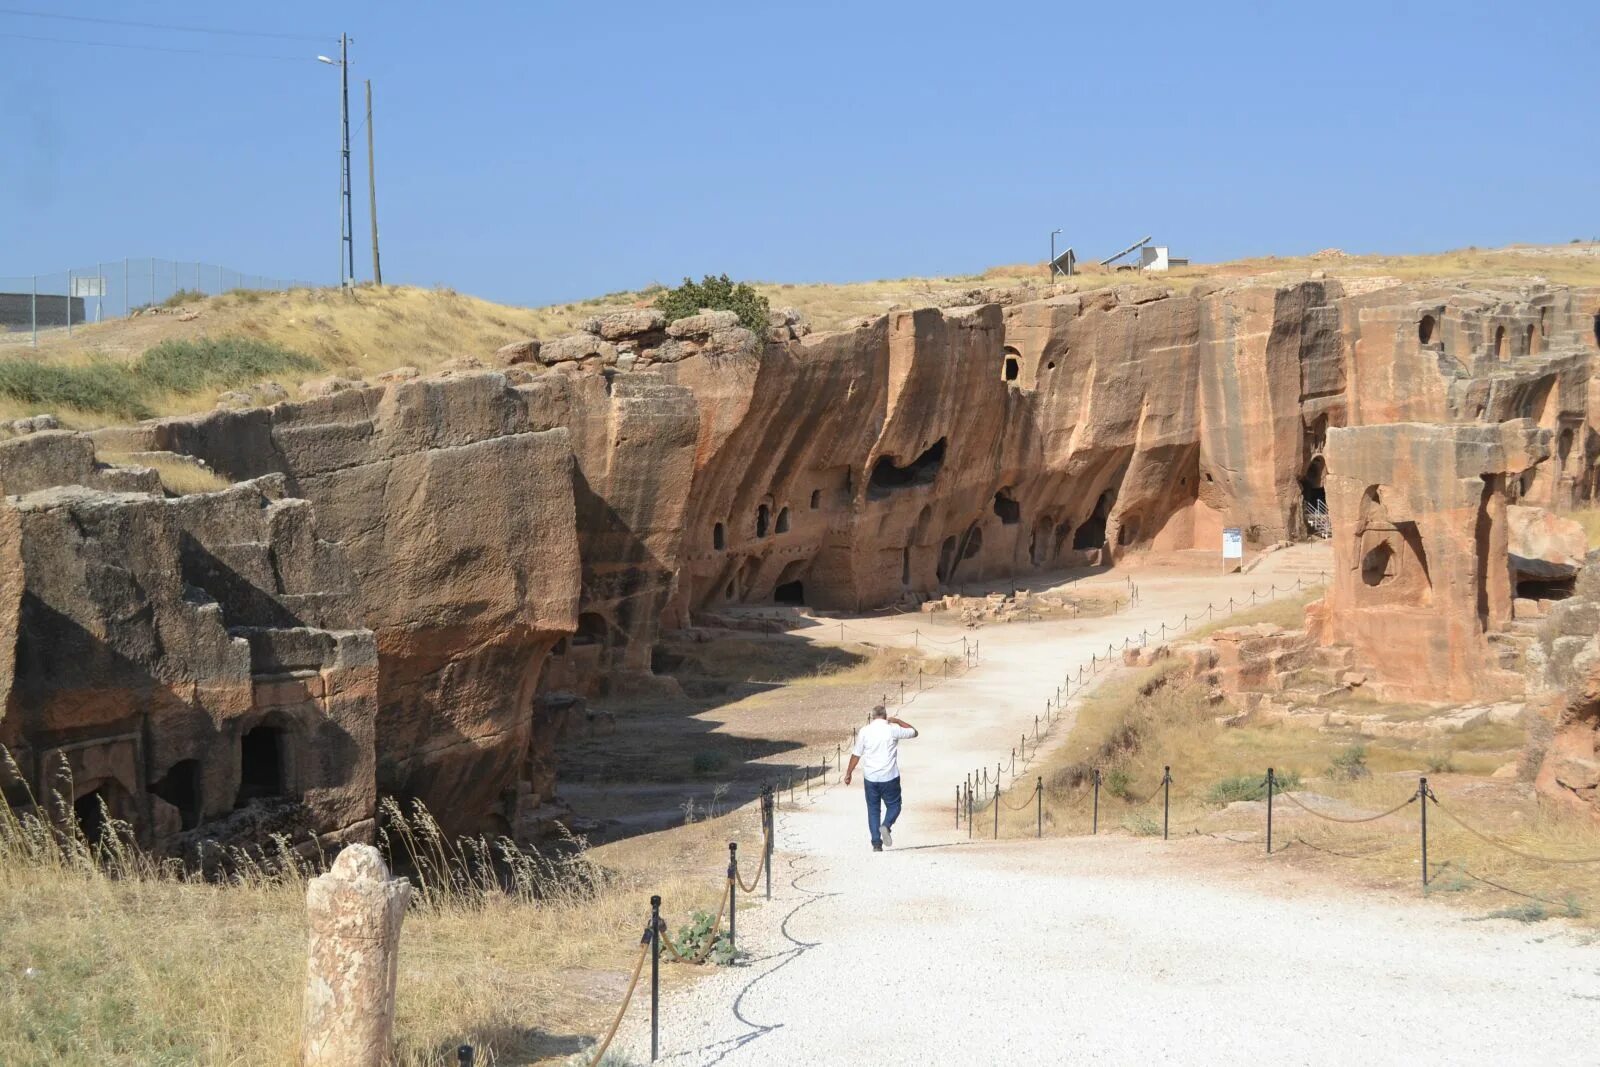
point(354, 914)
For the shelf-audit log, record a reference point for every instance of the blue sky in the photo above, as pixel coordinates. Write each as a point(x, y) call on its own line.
point(538, 152)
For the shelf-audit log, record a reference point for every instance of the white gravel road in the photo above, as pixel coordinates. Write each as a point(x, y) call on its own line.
point(1109, 950)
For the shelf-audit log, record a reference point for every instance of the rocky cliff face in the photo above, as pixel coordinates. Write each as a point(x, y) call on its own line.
point(406, 569)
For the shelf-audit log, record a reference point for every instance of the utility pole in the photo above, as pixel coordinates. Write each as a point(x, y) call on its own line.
point(372, 191)
point(347, 251)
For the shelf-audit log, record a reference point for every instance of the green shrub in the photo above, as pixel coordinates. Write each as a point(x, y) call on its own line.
point(1116, 782)
point(1251, 787)
point(1350, 763)
point(127, 390)
point(182, 297)
point(709, 761)
point(1440, 764)
point(719, 294)
point(693, 935)
point(1141, 825)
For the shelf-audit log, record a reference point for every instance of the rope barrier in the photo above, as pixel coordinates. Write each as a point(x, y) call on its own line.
point(1334, 818)
point(1480, 835)
point(633, 983)
point(1503, 888)
point(1026, 800)
point(765, 859)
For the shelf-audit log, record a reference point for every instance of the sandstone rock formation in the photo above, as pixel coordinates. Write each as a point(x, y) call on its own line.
point(411, 573)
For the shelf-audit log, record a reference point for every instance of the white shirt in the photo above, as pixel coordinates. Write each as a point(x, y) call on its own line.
point(877, 747)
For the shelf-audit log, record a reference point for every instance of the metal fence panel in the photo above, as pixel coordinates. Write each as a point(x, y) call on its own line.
point(56, 303)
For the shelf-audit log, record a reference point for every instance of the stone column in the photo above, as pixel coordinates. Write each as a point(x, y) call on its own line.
point(354, 913)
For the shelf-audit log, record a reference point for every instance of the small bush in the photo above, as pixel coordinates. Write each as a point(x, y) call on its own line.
point(1350, 763)
point(182, 297)
point(1116, 782)
point(718, 294)
point(1533, 912)
point(693, 936)
point(709, 761)
point(1440, 763)
point(1141, 825)
point(1251, 787)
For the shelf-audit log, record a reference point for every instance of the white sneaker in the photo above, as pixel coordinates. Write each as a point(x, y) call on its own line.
point(888, 838)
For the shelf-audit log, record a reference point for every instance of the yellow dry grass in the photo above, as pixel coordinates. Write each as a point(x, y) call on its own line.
point(179, 474)
point(368, 330)
point(128, 964)
point(1589, 519)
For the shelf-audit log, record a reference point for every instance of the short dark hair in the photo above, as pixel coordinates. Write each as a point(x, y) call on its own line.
point(880, 712)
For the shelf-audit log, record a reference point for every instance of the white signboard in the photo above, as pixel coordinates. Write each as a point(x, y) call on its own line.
point(1232, 543)
point(88, 287)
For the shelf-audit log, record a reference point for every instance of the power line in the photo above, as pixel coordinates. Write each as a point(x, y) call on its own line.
point(161, 26)
point(157, 48)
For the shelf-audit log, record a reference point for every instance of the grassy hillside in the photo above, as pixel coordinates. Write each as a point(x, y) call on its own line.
point(369, 330)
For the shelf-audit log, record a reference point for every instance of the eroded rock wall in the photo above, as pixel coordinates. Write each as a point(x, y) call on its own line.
point(472, 543)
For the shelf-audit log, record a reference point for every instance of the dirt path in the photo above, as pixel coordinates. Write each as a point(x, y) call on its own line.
point(1109, 950)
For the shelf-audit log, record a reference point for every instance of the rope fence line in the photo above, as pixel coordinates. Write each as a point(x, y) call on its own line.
point(1502, 846)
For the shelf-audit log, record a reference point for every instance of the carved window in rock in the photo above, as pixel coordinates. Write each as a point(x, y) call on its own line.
point(816, 499)
point(783, 520)
point(180, 787)
point(763, 520)
point(1011, 364)
point(1426, 328)
point(1532, 340)
point(97, 806)
point(1392, 561)
point(719, 537)
point(1500, 342)
point(1379, 564)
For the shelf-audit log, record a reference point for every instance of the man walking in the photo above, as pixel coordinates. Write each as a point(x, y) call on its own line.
point(877, 752)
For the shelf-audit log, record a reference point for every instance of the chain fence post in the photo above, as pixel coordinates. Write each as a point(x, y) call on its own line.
point(733, 893)
point(1270, 783)
point(997, 811)
point(958, 807)
point(1422, 795)
point(969, 814)
point(1095, 826)
point(654, 934)
point(1038, 801)
point(1166, 799)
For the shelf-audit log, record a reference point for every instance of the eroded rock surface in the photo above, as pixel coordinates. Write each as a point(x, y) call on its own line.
point(411, 576)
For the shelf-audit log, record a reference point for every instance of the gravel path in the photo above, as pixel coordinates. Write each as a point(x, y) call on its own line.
point(1108, 950)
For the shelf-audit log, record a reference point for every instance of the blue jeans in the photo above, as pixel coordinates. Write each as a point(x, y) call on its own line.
point(887, 794)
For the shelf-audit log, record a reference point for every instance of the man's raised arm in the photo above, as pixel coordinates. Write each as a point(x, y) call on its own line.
point(904, 726)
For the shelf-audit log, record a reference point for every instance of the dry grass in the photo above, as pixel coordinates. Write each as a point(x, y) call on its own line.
point(1589, 519)
point(363, 332)
point(112, 957)
point(1135, 725)
point(180, 475)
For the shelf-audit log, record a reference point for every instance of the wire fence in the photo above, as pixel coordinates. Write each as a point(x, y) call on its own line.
point(32, 305)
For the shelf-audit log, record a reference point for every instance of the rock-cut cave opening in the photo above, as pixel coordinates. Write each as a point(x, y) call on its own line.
point(887, 476)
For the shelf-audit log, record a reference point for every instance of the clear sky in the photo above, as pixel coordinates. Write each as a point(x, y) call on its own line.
point(537, 152)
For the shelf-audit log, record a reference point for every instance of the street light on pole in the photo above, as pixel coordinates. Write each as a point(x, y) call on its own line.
point(347, 250)
point(1053, 250)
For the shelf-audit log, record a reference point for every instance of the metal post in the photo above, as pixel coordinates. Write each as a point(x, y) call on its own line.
point(997, 812)
point(1095, 826)
point(902, 691)
point(34, 305)
point(655, 977)
point(1422, 795)
point(1271, 782)
point(1038, 800)
point(1166, 799)
point(464, 1056)
point(372, 191)
point(772, 834)
point(733, 891)
point(958, 807)
point(969, 815)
